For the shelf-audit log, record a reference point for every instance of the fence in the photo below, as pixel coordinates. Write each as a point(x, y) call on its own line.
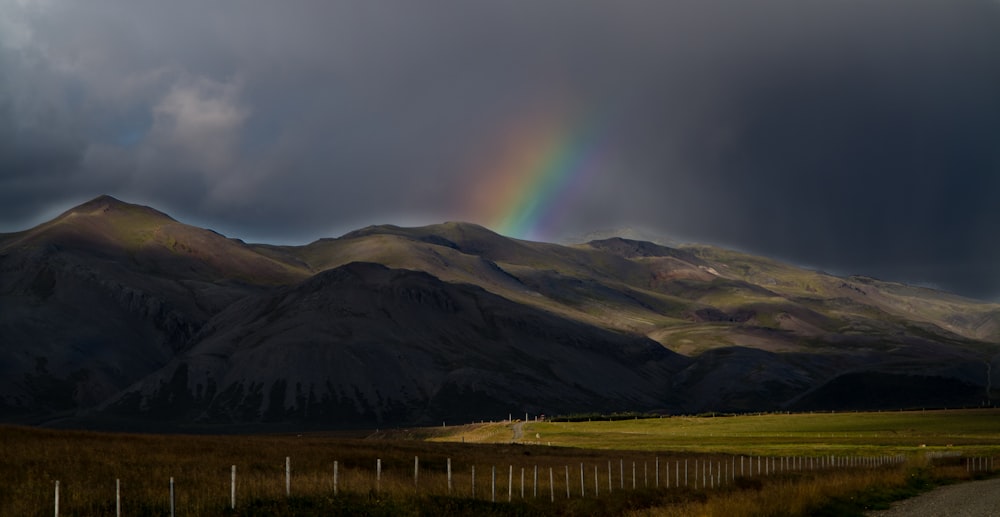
point(596, 478)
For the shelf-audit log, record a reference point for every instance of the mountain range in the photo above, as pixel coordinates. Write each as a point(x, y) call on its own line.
point(115, 315)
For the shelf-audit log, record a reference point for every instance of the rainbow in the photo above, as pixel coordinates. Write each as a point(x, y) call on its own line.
point(545, 164)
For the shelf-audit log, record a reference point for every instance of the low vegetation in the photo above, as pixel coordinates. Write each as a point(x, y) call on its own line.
point(933, 448)
point(974, 432)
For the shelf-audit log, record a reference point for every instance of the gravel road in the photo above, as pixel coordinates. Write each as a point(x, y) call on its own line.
point(518, 431)
point(972, 499)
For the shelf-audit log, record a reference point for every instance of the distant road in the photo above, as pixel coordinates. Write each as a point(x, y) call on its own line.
point(972, 499)
point(518, 431)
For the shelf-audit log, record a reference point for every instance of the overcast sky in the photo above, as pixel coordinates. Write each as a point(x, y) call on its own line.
point(851, 136)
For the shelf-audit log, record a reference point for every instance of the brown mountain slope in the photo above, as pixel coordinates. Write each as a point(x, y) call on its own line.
point(106, 228)
point(580, 283)
point(108, 292)
point(860, 297)
point(111, 295)
point(363, 345)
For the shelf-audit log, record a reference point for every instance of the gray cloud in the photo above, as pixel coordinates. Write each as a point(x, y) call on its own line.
point(855, 136)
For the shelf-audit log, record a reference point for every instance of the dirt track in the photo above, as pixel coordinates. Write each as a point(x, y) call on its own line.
point(973, 499)
point(518, 431)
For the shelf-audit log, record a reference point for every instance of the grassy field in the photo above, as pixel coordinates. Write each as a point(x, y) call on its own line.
point(973, 432)
point(87, 465)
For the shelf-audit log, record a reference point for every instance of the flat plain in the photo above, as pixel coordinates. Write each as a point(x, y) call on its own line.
point(612, 467)
point(970, 431)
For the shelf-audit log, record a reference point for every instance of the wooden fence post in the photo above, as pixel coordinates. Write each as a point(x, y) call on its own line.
point(493, 485)
point(336, 476)
point(473, 481)
point(583, 490)
point(567, 481)
point(57, 498)
point(610, 489)
point(597, 483)
point(378, 474)
point(171, 496)
point(449, 476)
point(534, 484)
point(621, 471)
point(232, 488)
point(633, 475)
point(416, 470)
point(288, 476)
point(118, 497)
point(522, 474)
point(656, 465)
point(552, 486)
point(510, 484)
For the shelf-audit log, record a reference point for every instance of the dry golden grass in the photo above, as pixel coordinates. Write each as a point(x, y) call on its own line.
point(809, 494)
point(790, 496)
point(87, 465)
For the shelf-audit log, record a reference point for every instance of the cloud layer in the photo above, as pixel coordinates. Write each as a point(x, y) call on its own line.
point(854, 136)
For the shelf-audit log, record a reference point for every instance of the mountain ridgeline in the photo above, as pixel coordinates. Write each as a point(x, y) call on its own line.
point(115, 315)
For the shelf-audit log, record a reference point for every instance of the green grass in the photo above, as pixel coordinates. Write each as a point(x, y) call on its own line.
point(971, 431)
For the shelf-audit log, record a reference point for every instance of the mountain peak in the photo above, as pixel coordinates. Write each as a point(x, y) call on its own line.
point(107, 198)
point(464, 226)
point(446, 228)
point(97, 223)
point(630, 248)
point(105, 204)
point(626, 233)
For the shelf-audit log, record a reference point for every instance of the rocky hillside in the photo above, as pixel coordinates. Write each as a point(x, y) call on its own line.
point(364, 343)
point(116, 314)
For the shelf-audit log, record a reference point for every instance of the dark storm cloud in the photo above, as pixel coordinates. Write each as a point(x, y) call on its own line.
point(859, 137)
point(869, 147)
